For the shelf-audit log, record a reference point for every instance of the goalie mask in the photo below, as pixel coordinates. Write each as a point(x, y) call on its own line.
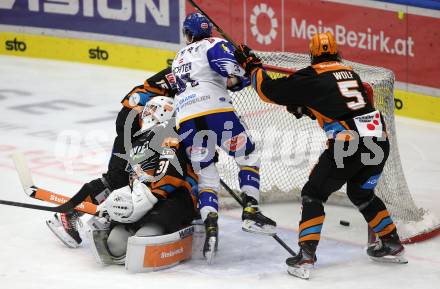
point(196, 27)
point(323, 47)
point(159, 109)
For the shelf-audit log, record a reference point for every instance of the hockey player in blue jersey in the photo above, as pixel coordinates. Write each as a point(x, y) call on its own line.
point(206, 120)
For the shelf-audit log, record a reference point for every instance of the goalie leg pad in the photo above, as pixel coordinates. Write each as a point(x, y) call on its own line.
point(149, 230)
point(98, 235)
point(145, 254)
point(117, 241)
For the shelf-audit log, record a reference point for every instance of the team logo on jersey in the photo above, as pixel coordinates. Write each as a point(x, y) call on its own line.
point(267, 12)
point(226, 49)
point(371, 182)
point(235, 143)
point(369, 124)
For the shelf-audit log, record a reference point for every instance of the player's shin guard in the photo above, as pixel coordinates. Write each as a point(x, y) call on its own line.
point(249, 179)
point(389, 247)
point(312, 220)
point(310, 228)
point(208, 202)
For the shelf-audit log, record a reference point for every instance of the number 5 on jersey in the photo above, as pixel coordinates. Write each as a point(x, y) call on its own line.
point(350, 89)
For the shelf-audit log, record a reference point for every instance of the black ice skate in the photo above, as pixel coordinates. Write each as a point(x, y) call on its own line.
point(211, 239)
point(301, 265)
point(254, 221)
point(65, 227)
point(387, 249)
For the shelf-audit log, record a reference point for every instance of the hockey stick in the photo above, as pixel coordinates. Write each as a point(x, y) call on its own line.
point(230, 40)
point(85, 207)
point(222, 33)
point(240, 201)
point(66, 203)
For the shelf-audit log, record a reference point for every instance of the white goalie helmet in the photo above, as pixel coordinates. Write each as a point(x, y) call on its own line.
point(159, 109)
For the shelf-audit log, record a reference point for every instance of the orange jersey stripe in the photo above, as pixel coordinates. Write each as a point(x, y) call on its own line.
point(379, 217)
point(388, 229)
point(191, 173)
point(311, 237)
point(259, 79)
point(187, 186)
point(320, 117)
point(167, 180)
point(158, 91)
point(160, 192)
point(311, 223)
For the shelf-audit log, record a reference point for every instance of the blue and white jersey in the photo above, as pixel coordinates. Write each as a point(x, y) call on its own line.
point(201, 70)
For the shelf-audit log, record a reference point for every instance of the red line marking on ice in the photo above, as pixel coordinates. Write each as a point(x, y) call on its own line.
point(46, 175)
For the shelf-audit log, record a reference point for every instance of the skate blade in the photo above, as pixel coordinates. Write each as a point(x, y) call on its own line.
point(210, 254)
point(59, 232)
point(396, 259)
point(253, 227)
point(302, 272)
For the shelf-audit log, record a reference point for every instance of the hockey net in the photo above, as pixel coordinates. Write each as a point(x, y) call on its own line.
point(290, 147)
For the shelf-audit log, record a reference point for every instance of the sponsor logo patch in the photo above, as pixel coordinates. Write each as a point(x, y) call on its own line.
point(235, 143)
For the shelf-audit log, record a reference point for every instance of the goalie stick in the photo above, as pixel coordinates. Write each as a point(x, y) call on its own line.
point(65, 203)
point(240, 201)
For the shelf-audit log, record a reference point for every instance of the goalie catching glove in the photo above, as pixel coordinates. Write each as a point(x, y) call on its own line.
point(128, 206)
point(247, 59)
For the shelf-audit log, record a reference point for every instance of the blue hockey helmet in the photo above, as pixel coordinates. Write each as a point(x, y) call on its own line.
point(196, 27)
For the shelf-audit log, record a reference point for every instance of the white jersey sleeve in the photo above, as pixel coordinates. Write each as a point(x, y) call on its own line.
point(201, 70)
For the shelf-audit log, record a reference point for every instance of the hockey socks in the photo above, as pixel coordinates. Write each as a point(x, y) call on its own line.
point(388, 247)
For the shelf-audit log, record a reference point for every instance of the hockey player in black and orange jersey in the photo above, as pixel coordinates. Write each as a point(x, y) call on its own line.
point(162, 196)
point(64, 225)
point(333, 94)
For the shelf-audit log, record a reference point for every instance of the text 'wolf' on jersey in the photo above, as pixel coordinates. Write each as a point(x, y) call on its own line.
point(334, 95)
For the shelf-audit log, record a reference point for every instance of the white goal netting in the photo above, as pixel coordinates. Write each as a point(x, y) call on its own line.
point(290, 147)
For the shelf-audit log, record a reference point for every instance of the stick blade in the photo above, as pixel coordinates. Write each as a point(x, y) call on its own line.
point(24, 173)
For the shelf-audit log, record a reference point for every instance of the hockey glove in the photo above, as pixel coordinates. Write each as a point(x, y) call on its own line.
point(237, 83)
point(300, 111)
point(247, 59)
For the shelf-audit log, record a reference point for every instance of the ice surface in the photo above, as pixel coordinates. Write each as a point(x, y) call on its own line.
point(42, 100)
